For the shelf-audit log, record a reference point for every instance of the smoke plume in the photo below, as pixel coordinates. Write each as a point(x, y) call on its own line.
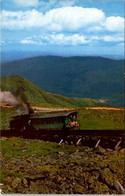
point(17, 99)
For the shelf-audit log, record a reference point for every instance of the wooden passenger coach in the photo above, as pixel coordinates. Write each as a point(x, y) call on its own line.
point(59, 121)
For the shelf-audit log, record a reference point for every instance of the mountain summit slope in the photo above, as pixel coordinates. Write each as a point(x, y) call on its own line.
point(93, 77)
point(37, 97)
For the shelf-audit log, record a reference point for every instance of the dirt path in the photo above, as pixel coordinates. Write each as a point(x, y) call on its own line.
point(51, 109)
point(67, 109)
point(104, 108)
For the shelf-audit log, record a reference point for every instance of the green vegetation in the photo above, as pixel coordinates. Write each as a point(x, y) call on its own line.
point(35, 96)
point(88, 77)
point(6, 115)
point(22, 148)
point(101, 119)
point(38, 167)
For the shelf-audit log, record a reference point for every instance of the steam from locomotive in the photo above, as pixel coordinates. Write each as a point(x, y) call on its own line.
point(17, 100)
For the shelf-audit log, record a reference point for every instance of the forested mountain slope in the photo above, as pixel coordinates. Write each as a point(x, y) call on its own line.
point(37, 97)
point(80, 77)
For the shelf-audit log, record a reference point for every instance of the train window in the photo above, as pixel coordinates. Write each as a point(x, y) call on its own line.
point(55, 121)
point(52, 121)
point(49, 121)
point(43, 121)
point(59, 120)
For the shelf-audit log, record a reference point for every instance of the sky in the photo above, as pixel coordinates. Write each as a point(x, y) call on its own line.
point(63, 27)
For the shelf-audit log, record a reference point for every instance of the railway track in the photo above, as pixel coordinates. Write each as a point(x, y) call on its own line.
point(81, 132)
point(93, 138)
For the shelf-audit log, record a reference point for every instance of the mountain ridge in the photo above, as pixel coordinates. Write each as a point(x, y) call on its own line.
point(93, 77)
point(37, 97)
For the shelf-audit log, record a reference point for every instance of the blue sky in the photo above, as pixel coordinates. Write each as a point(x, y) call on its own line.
point(63, 27)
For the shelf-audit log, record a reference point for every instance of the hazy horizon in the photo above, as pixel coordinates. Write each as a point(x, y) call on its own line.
point(8, 57)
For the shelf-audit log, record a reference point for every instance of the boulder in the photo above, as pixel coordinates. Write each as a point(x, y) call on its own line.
point(16, 182)
point(108, 177)
point(100, 150)
point(99, 188)
point(25, 182)
point(78, 189)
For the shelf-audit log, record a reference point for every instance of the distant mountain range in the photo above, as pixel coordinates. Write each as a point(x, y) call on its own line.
point(79, 77)
point(18, 55)
point(37, 97)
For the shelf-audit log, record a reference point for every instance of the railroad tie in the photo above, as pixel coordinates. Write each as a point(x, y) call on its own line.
point(79, 140)
point(61, 141)
point(119, 187)
point(118, 143)
point(97, 143)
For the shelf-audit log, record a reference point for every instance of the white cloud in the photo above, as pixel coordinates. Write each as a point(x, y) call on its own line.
point(114, 23)
point(95, 28)
point(26, 41)
point(71, 39)
point(60, 19)
point(2, 42)
point(61, 39)
point(44, 5)
point(107, 38)
point(26, 3)
point(116, 38)
point(20, 19)
point(74, 18)
point(56, 39)
point(72, 25)
point(47, 5)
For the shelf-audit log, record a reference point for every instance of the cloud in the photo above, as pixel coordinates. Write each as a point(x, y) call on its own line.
point(107, 38)
point(114, 23)
point(2, 42)
point(63, 39)
point(115, 38)
point(60, 19)
point(26, 3)
point(74, 18)
point(66, 3)
point(20, 20)
point(25, 41)
point(43, 5)
point(48, 4)
point(64, 19)
point(56, 39)
point(65, 26)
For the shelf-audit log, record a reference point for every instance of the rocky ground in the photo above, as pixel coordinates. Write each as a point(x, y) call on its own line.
point(67, 170)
